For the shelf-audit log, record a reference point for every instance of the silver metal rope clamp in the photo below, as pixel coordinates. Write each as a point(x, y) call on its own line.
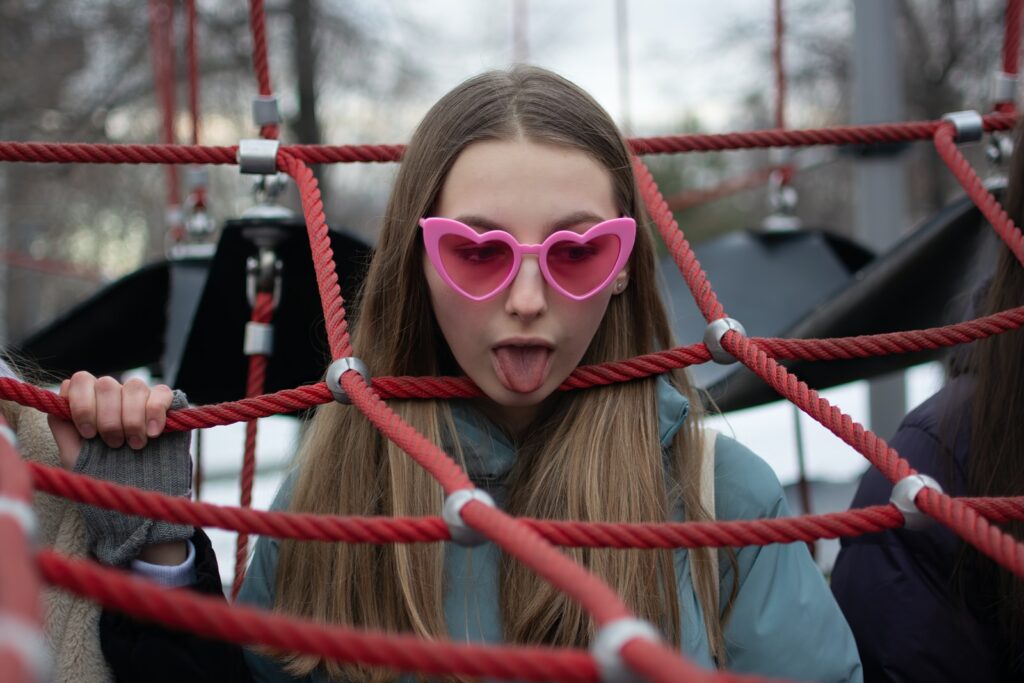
point(713, 334)
point(258, 156)
point(451, 513)
point(968, 124)
point(607, 648)
point(265, 111)
point(259, 339)
point(339, 368)
point(904, 496)
point(1004, 87)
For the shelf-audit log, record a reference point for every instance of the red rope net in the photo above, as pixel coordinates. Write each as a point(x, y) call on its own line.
point(531, 541)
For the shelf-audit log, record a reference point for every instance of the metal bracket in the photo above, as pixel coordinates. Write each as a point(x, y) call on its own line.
point(713, 334)
point(969, 125)
point(1004, 87)
point(265, 111)
point(263, 274)
point(339, 368)
point(904, 497)
point(607, 648)
point(258, 156)
point(451, 513)
point(259, 339)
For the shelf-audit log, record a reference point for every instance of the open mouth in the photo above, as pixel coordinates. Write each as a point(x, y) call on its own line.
point(522, 368)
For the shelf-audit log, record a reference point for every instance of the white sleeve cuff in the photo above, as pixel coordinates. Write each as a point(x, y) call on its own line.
point(170, 576)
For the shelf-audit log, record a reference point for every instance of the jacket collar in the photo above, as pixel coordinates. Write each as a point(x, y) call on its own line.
point(490, 454)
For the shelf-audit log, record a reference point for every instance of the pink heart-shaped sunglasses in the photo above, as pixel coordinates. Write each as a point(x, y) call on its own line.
point(480, 265)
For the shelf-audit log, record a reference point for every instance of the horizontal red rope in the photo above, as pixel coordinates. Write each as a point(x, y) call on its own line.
point(70, 152)
point(211, 617)
point(308, 396)
point(357, 529)
point(79, 153)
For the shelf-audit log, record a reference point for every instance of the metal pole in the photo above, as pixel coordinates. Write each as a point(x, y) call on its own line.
point(880, 208)
point(622, 44)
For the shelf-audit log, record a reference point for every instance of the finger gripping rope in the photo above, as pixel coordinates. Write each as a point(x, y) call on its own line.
point(462, 533)
point(608, 644)
point(904, 496)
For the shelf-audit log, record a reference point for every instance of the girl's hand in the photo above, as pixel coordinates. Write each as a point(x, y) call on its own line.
point(132, 413)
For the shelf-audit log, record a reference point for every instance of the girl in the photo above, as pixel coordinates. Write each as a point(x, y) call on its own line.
point(503, 163)
point(894, 586)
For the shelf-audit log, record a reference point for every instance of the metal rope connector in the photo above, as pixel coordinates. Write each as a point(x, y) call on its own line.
point(259, 339)
point(904, 496)
point(339, 368)
point(451, 513)
point(969, 125)
point(1004, 87)
point(265, 111)
point(607, 648)
point(713, 334)
point(257, 156)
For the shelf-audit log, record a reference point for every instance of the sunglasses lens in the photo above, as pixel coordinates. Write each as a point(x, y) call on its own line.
point(580, 268)
point(478, 268)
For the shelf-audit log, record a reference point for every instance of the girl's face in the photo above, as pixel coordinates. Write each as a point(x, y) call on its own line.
point(520, 345)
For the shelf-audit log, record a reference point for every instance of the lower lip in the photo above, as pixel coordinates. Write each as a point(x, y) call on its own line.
point(518, 387)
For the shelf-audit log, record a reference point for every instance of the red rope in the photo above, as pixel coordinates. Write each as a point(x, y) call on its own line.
point(211, 617)
point(260, 61)
point(263, 313)
point(323, 256)
point(42, 152)
point(986, 203)
point(677, 244)
point(1011, 49)
point(357, 529)
point(20, 597)
point(780, 73)
point(688, 199)
point(193, 67)
point(161, 17)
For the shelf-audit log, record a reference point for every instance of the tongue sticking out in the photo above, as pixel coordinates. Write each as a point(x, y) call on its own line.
point(521, 368)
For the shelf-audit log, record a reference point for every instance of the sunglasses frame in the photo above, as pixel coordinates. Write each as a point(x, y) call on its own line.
point(435, 228)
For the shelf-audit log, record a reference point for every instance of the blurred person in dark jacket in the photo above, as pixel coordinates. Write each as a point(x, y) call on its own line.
point(923, 604)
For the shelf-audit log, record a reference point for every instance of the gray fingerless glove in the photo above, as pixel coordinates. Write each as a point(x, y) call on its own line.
point(164, 465)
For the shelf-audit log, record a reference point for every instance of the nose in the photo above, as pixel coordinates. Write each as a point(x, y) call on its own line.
point(527, 295)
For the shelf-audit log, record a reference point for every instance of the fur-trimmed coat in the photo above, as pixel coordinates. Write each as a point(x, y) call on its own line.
point(72, 623)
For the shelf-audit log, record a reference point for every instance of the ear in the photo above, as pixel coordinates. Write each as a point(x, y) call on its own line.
point(620, 282)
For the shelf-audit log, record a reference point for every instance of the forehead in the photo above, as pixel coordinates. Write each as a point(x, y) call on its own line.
point(526, 186)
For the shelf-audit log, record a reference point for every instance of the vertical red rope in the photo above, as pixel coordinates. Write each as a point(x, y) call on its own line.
point(20, 596)
point(1011, 48)
point(780, 73)
point(323, 255)
point(161, 23)
point(677, 244)
point(262, 312)
point(983, 199)
point(193, 67)
point(260, 61)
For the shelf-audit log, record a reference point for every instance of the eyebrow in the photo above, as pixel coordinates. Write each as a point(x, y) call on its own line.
point(568, 221)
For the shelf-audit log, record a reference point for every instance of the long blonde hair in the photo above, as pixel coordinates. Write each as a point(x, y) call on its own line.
point(595, 456)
